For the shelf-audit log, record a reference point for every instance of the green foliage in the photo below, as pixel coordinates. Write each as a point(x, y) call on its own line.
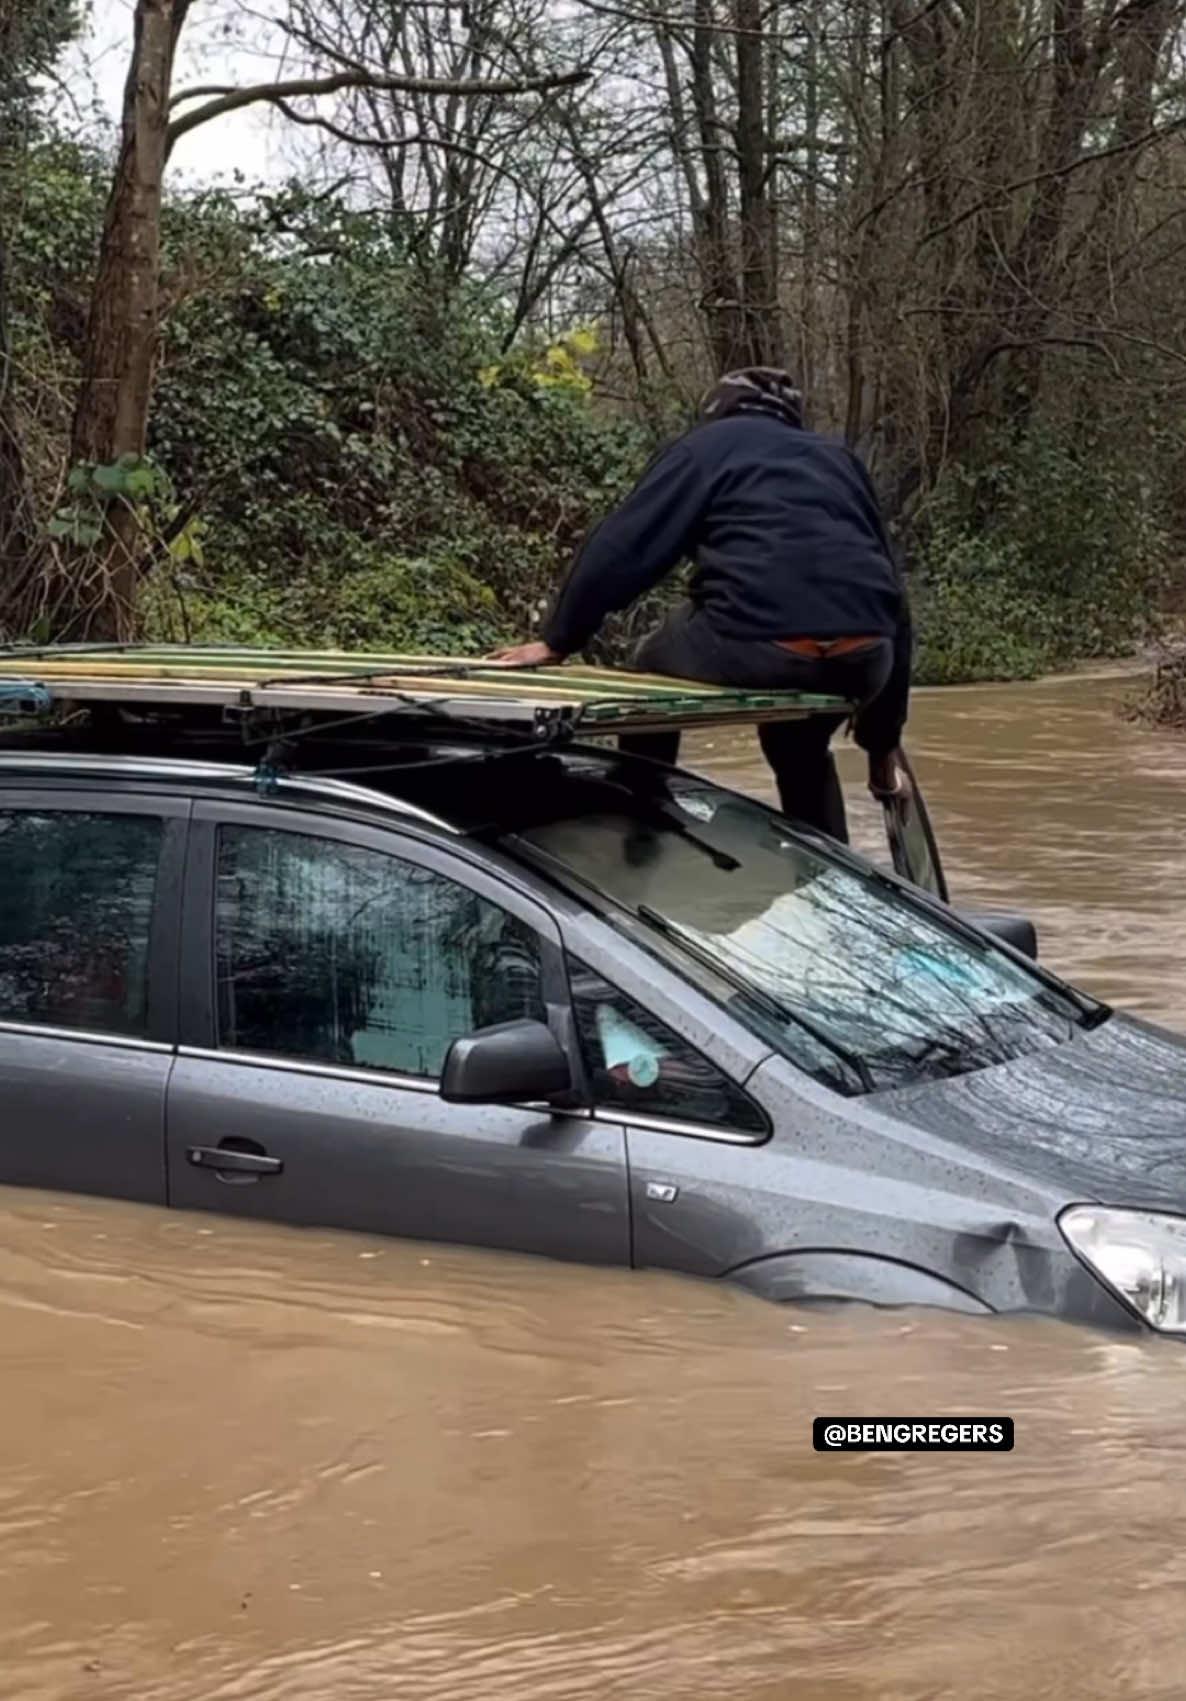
point(50, 213)
point(552, 366)
point(359, 477)
point(341, 454)
point(1039, 555)
point(970, 621)
point(32, 35)
point(146, 489)
point(379, 602)
point(54, 213)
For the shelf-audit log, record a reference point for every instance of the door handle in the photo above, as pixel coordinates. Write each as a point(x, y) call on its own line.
point(228, 1158)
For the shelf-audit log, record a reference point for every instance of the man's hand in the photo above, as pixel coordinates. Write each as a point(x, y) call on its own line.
point(535, 654)
point(887, 775)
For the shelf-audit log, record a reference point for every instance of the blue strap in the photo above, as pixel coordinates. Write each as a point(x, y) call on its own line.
point(24, 697)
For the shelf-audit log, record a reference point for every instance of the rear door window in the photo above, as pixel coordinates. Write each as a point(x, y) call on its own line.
point(77, 892)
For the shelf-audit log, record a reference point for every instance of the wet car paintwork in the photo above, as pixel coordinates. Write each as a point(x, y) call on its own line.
point(863, 1204)
point(1107, 1111)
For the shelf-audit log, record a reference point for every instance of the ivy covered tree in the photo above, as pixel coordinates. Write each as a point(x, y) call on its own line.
point(336, 454)
point(32, 35)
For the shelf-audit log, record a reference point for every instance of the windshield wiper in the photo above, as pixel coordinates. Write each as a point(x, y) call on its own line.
point(652, 809)
point(773, 1008)
point(719, 858)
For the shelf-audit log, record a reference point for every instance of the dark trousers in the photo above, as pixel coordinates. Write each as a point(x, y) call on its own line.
point(685, 646)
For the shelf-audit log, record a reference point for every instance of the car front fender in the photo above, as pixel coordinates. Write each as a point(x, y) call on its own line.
point(851, 1276)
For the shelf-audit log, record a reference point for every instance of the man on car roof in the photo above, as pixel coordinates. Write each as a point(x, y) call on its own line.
point(796, 586)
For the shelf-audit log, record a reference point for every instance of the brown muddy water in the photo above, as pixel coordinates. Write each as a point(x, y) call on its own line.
point(241, 1463)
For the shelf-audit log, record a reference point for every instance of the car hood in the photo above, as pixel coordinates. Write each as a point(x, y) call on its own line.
point(1101, 1118)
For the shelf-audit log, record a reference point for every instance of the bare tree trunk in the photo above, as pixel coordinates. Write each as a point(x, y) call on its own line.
point(811, 208)
point(869, 192)
point(1141, 36)
point(111, 416)
point(1037, 261)
point(17, 531)
point(760, 335)
point(770, 181)
point(720, 301)
point(681, 130)
point(618, 265)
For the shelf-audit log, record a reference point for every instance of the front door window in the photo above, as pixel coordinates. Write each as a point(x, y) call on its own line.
point(331, 952)
point(638, 1065)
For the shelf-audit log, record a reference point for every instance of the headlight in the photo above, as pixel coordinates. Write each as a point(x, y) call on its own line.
point(1140, 1255)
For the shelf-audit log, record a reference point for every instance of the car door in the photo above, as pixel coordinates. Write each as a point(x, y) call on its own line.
point(914, 849)
point(90, 886)
point(697, 1141)
point(327, 968)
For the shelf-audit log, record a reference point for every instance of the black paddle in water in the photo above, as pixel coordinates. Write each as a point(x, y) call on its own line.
point(912, 838)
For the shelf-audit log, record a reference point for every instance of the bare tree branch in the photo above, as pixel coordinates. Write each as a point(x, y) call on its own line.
point(297, 87)
point(1149, 139)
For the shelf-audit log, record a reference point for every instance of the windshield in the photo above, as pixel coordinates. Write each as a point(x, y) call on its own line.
point(833, 964)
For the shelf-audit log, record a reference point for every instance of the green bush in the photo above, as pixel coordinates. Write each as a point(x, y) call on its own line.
point(970, 624)
point(394, 603)
point(1037, 556)
point(361, 467)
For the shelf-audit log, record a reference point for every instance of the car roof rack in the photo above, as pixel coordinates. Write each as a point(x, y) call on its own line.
point(545, 703)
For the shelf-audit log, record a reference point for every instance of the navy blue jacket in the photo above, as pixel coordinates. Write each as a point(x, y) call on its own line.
point(786, 536)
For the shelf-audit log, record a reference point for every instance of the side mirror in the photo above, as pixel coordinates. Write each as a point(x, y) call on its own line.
point(513, 1063)
point(1015, 930)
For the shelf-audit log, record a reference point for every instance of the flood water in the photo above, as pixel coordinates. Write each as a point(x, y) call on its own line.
point(242, 1462)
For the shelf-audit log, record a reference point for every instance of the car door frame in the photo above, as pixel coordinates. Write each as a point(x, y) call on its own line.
point(171, 805)
point(197, 1013)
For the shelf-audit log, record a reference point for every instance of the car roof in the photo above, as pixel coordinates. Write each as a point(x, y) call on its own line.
point(454, 779)
point(73, 768)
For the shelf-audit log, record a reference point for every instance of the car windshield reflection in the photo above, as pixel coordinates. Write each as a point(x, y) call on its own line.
point(835, 966)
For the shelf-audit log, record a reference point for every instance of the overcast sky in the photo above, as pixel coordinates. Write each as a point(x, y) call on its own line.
point(221, 43)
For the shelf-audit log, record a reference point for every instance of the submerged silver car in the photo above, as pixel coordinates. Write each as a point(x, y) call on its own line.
point(424, 977)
